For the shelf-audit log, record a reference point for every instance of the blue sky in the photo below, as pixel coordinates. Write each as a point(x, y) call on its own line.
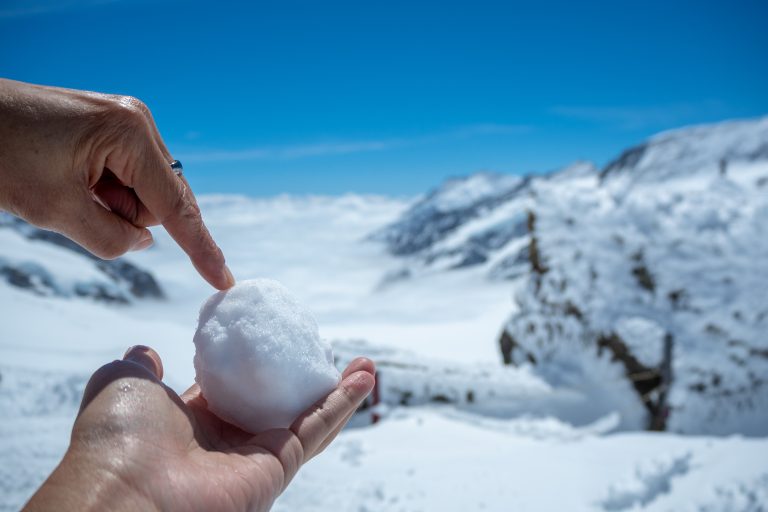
point(391, 97)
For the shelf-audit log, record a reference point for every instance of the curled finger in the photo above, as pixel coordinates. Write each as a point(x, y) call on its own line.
point(321, 420)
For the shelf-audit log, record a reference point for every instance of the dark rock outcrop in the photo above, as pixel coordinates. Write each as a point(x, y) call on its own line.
point(124, 281)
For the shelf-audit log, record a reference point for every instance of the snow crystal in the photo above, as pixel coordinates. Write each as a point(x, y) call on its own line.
point(259, 358)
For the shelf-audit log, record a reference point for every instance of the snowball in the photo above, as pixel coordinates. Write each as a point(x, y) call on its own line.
point(259, 359)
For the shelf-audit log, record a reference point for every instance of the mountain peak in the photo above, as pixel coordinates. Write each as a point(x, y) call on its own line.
point(463, 192)
point(702, 148)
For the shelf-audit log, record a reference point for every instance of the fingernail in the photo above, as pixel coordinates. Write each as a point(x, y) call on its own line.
point(228, 277)
point(146, 357)
point(136, 349)
point(367, 365)
point(143, 243)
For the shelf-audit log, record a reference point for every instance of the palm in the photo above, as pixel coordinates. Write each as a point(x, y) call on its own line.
point(215, 465)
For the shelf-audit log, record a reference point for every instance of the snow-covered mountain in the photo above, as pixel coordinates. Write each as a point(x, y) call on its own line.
point(445, 209)
point(666, 245)
point(47, 263)
point(688, 151)
point(476, 221)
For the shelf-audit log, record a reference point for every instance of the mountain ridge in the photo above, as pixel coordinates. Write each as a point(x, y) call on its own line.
point(641, 283)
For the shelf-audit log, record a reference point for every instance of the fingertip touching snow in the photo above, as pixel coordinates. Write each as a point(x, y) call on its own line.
point(259, 358)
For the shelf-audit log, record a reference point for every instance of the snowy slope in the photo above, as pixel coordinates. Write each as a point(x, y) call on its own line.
point(689, 262)
point(432, 459)
point(683, 258)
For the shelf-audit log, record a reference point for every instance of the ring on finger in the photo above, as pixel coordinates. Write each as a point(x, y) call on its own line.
point(177, 168)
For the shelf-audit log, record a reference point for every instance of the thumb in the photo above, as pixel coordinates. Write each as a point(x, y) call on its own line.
point(125, 400)
point(139, 362)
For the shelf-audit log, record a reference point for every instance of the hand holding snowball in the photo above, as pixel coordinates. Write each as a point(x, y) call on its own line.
point(137, 445)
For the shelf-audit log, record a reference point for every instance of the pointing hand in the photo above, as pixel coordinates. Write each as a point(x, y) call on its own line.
point(94, 168)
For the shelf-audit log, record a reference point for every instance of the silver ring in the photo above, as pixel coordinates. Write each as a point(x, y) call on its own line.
point(177, 168)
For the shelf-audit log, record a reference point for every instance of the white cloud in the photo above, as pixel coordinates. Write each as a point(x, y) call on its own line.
point(636, 117)
point(288, 152)
point(297, 151)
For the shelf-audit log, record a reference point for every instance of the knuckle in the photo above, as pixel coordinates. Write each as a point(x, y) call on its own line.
point(347, 396)
point(291, 456)
point(190, 211)
point(325, 416)
point(212, 251)
point(132, 108)
point(185, 211)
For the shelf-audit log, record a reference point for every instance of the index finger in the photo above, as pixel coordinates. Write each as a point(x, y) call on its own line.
point(171, 200)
